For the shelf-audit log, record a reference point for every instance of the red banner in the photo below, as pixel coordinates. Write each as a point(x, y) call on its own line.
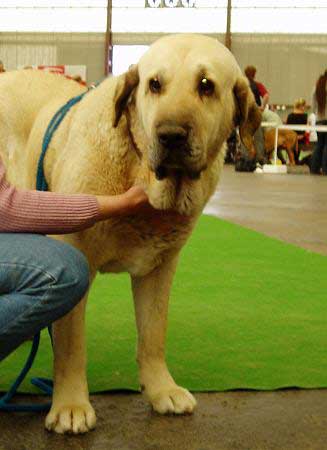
point(53, 69)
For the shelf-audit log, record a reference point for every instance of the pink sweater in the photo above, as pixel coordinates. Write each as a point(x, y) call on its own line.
point(44, 212)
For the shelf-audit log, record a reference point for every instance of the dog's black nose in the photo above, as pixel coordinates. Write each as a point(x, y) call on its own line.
point(172, 136)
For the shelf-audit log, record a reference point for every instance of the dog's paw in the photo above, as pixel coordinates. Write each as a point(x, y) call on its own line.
point(175, 400)
point(73, 419)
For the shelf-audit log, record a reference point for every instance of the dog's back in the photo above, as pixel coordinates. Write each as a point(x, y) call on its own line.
point(287, 139)
point(23, 94)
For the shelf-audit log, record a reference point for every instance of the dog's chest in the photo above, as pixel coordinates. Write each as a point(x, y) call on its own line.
point(138, 248)
point(137, 262)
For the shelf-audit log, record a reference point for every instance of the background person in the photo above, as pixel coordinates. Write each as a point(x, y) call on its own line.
point(319, 101)
point(298, 116)
point(259, 90)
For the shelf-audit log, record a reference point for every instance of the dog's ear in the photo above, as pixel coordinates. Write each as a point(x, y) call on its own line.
point(126, 83)
point(247, 113)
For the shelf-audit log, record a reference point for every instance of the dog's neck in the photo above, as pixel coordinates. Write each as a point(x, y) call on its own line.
point(138, 140)
point(134, 130)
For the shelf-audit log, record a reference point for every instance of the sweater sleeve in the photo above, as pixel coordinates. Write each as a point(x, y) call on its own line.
point(44, 212)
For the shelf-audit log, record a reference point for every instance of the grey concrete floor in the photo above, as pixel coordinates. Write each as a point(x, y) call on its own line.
point(292, 208)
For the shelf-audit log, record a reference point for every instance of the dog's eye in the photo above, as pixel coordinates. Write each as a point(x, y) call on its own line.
point(206, 87)
point(154, 85)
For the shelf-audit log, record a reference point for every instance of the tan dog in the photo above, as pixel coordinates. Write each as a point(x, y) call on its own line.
point(162, 124)
point(287, 140)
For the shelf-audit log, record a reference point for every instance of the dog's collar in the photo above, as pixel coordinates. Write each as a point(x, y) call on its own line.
point(130, 133)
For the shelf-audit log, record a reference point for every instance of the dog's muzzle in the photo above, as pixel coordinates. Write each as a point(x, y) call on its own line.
point(162, 172)
point(174, 152)
point(172, 137)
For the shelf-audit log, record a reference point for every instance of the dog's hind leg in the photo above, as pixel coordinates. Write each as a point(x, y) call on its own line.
point(151, 297)
point(71, 410)
point(280, 156)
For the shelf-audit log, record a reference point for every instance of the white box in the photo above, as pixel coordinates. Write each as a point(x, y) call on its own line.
point(272, 168)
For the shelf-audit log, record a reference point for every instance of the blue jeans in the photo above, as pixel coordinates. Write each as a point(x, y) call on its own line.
point(319, 154)
point(41, 280)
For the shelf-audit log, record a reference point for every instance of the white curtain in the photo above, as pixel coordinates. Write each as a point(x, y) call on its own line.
point(17, 56)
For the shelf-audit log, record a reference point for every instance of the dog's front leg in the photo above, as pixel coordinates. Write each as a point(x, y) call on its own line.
point(71, 411)
point(151, 296)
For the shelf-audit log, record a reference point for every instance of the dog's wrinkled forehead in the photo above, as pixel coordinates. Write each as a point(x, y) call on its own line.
point(188, 54)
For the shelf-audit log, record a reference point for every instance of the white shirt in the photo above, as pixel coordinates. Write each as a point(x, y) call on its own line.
point(313, 137)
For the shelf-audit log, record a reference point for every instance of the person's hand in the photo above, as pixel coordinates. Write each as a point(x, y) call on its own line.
point(136, 200)
point(135, 197)
point(123, 204)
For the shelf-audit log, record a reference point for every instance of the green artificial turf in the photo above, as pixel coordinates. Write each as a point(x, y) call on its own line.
point(246, 311)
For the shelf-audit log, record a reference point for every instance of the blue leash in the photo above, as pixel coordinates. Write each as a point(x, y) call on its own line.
point(43, 384)
point(41, 182)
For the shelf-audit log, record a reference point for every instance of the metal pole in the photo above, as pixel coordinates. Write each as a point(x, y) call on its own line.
point(228, 36)
point(276, 145)
point(108, 44)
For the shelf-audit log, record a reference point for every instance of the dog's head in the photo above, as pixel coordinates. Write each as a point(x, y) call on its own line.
point(189, 94)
